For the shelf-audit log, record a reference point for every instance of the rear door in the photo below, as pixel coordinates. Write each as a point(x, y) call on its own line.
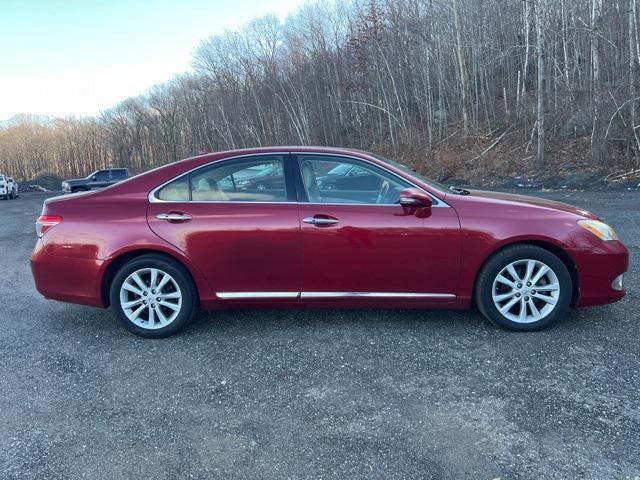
point(245, 239)
point(358, 242)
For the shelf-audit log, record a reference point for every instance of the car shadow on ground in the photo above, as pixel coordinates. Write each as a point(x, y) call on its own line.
point(446, 322)
point(85, 321)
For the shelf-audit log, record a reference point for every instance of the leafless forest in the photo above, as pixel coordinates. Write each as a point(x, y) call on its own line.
point(455, 87)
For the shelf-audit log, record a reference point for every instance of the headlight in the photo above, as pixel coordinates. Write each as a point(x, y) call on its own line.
point(599, 229)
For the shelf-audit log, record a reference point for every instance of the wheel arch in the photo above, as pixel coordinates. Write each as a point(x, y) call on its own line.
point(121, 259)
point(551, 247)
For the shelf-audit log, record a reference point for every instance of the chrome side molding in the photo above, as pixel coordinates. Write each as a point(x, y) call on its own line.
point(263, 295)
point(376, 295)
point(241, 295)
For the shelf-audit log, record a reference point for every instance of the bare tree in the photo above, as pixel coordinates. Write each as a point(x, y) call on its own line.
point(540, 117)
point(433, 82)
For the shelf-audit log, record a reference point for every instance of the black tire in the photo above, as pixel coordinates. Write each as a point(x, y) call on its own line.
point(189, 305)
point(500, 260)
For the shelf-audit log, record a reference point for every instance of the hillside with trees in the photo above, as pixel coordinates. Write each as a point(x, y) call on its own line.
point(457, 88)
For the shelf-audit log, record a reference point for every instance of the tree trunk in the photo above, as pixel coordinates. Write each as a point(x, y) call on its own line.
point(464, 82)
point(541, 83)
point(632, 65)
point(596, 140)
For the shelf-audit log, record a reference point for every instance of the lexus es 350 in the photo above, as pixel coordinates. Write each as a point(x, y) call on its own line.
point(202, 233)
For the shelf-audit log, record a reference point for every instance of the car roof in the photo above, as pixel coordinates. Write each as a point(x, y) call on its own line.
point(165, 173)
point(210, 157)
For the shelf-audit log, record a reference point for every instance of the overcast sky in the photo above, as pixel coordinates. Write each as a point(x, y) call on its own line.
point(78, 57)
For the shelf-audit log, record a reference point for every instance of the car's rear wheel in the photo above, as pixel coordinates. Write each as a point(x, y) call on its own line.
point(153, 296)
point(524, 287)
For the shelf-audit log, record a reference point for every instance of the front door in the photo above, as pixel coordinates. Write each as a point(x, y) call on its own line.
point(361, 243)
point(243, 234)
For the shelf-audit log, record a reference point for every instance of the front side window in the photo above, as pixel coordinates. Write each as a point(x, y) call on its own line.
point(258, 179)
point(412, 172)
point(338, 180)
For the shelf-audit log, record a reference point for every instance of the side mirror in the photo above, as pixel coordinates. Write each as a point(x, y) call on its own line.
point(93, 179)
point(414, 198)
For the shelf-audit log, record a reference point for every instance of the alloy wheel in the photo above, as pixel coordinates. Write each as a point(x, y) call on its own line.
point(150, 298)
point(526, 291)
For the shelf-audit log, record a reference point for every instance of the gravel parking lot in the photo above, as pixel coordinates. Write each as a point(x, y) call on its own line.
point(317, 394)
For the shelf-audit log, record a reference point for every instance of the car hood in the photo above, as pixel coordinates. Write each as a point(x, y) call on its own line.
point(75, 180)
point(524, 200)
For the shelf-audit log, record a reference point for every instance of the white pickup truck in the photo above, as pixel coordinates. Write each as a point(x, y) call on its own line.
point(8, 188)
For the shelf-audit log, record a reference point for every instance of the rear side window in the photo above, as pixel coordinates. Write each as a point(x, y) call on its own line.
point(119, 174)
point(102, 175)
point(257, 179)
point(176, 191)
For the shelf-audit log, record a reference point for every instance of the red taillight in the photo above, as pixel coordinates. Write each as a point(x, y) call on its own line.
point(46, 223)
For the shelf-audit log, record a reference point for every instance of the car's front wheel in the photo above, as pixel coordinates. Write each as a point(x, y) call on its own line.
point(153, 296)
point(524, 287)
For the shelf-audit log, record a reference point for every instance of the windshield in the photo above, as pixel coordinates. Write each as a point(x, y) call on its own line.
point(409, 170)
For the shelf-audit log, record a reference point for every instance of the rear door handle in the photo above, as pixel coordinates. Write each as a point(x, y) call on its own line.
point(320, 221)
point(174, 217)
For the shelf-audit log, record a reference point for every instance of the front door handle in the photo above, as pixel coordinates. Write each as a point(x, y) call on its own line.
point(174, 217)
point(320, 221)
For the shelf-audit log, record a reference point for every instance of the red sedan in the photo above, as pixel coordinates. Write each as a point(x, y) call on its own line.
point(199, 233)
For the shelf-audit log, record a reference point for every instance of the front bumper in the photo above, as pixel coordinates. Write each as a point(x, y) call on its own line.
point(598, 270)
point(74, 280)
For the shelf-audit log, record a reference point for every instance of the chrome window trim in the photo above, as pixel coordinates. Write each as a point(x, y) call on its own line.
point(153, 199)
point(303, 295)
point(152, 194)
point(438, 202)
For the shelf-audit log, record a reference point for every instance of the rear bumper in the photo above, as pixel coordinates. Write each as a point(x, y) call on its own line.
point(74, 280)
point(597, 270)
